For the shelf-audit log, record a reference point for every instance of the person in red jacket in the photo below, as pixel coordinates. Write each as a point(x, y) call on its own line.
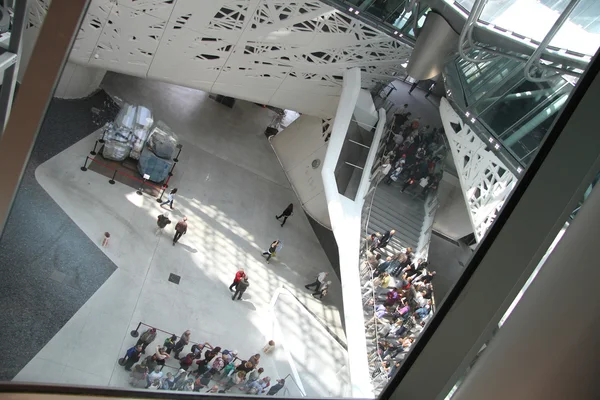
point(180, 229)
point(238, 277)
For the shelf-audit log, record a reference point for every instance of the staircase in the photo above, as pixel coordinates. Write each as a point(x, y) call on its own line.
point(392, 209)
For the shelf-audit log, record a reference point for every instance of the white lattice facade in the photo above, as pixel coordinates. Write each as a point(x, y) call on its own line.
point(285, 53)
point(484, 179)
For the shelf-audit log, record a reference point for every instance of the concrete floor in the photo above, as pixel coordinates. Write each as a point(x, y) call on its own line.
point(230, 188)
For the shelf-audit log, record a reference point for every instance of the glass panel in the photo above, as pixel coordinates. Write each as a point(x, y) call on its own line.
point(386, 10)
point(499, 91)
point(525, 138)
point(518, 103)
point(479, 78)
point(581, 32)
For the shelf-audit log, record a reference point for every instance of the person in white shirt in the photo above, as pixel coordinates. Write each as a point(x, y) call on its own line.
point(381, 172)
point(154, 376)
point(318, 283)
point(170, 197)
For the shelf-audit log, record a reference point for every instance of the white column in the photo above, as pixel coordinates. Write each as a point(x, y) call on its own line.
point(78, 81)
point(548, 347)
point(345, 221)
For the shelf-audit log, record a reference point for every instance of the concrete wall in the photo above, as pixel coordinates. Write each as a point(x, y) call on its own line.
point(297, 146)
point(452, 218)
point(78, 81)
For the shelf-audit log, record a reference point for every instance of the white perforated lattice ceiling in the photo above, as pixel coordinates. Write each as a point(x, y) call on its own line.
point(288, 54)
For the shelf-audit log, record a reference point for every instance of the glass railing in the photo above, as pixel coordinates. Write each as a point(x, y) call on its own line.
point(500, 102)
point(395, 14)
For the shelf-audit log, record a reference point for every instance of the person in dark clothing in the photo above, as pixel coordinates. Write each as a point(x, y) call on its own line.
point(146, 338)
point(186, 361)
point(208, 356)
point(132, 356)
point(413, 87)
point(385, 239)
point(169, 343)
point(276, 388)
point(183, 341)
point(286, 213)
point(161, 222)
point(241, 288)
point(180, 230)
point(272, 249)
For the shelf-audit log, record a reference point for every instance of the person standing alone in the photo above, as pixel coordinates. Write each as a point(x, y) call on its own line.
point(169, 200)
point(241, 288)
point(286, 213)
point(180, 229)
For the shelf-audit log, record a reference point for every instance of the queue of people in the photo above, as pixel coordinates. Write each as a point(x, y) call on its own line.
point(398, 301)
point(203, 369)
point(412, 155)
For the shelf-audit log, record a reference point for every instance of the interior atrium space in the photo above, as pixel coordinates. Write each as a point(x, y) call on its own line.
point(374, 199)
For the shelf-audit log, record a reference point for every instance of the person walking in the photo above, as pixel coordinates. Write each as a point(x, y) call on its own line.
point(322, 290)
point(272, 250)
point(238, 277)
point(385, 239)
point(276, 388)
point(318, 282)
point(241, 288)
point(180, 230)
point(286, 213)
point(131, 357)
point(162, 221)
point(413, 87)
point(146, 338)
point(169, 200)
point(183, 341)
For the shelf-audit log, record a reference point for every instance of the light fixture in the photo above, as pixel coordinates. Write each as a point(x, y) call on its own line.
point(491, 140)
point(401, 35)
point(395, 32)
point(497, 146)
point(351, 9)
point(519, 170)
point(467, 114)
point(472, 120)
point(356, 12)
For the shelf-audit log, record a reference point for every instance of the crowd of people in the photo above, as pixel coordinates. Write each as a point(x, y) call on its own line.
point(398, 301)
point(411, 154)
point(203, 368)
point(397, 286)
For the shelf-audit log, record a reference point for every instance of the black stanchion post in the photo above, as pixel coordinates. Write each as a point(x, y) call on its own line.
point(84, 168)
point(93, 152)
point(159, 200)
point(103, 134)
point(112, 180)
point(171, 171)
point(135, 332)
point(179, 146)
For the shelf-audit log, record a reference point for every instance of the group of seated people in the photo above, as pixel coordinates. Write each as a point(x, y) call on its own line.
point(398, 301)
point(411, 154)
point(204, 368)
